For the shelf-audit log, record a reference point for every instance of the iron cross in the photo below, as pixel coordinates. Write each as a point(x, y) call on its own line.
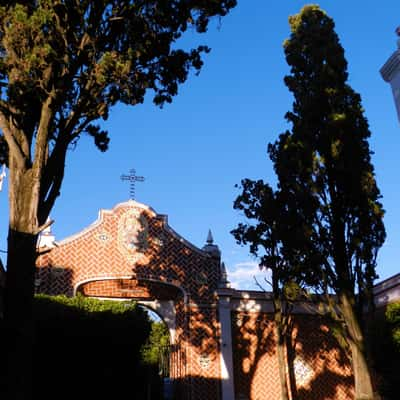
point(132, 178)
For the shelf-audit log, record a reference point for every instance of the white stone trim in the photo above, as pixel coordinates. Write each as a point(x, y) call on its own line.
point(226, 358)
point(114, 277)
point(391, 66)
point(249, 301)
point(166, 311)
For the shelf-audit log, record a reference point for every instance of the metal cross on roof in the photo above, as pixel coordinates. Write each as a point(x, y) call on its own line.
point(132, 178)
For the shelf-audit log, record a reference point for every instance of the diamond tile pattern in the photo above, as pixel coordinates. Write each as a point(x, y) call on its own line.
point(131, 252)
point(329, 375)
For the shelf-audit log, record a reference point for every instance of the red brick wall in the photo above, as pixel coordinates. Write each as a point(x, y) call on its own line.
point(323, 369)
point(98, 252)
point(99, 262)
point(130, 289)
point(256, 371)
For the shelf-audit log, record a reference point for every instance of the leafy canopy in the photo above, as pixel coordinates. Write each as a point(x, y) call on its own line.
point(65, 63)
point(325, 213)
point(157, 343)
point(88, 55)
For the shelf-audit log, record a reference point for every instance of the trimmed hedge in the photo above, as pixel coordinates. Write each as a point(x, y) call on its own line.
point(393, 319)
point(385, 343)
point(87, 348)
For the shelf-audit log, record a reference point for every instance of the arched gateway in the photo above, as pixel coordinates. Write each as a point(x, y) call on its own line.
point(223, 344)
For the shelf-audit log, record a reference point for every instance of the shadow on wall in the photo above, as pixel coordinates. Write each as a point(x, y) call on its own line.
point(162, 266)
point(321, 367)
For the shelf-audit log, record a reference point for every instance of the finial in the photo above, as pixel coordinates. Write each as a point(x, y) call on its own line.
point(210, 239)
point(132, 178)
point(224, 283)
point(224, 275)
point(398, 35)
point(210, 247)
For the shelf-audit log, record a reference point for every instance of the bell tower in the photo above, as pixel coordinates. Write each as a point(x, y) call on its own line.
point(391, 73)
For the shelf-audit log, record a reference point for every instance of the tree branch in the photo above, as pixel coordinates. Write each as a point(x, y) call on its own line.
point(41, 145)
point(13, 145)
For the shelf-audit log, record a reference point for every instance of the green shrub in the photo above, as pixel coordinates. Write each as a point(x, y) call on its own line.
point(393, 319)
point(156, 343)
point(87, 348)
point(385, 346)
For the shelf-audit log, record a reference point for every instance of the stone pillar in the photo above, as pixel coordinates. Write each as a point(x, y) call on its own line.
point(226, 358)
point(391, 73)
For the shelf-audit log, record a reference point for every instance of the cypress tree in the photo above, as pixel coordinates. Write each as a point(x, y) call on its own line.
point(329, 199)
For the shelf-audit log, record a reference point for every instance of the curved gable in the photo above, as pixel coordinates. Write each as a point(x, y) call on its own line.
point(130, 240)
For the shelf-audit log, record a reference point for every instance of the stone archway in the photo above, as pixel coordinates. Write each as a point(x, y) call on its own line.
point(130, 252)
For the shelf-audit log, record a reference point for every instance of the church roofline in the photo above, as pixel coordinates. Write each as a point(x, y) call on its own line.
point(132, 203)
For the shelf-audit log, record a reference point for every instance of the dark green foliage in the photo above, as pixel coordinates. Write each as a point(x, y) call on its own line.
point(327, 199)
point(65, 63)
point(86, 348)
point(393, 318)
point(158, 341)
point(88, 55)
point(323, 225)
point(325, 161)
point(156, 358)
point(385, 340)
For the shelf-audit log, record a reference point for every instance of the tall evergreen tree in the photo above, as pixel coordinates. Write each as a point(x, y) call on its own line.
point(63, 65)
point(327, 181)
point(260, 203)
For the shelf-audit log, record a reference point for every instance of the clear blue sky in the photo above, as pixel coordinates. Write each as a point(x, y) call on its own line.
point(194, 151)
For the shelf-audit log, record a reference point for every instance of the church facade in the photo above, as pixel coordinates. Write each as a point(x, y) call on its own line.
point(223, 342)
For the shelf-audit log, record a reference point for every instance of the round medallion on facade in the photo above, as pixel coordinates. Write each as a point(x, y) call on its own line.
point(302, 371)
point(204, 360)
point(133, 232)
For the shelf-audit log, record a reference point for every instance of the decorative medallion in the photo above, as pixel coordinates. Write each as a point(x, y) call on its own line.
point(160, 240)
point(204, 360)
point(302, 371)
point(133, 232)
point(239, 321)
point(103, 237)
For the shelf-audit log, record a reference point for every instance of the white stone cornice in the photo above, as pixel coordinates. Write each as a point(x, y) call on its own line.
point(392, 67)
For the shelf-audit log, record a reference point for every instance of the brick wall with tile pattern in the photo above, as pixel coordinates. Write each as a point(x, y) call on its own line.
point(131, 252)
point(323, 371)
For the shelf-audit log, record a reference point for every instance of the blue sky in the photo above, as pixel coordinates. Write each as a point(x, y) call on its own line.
point(194, 151)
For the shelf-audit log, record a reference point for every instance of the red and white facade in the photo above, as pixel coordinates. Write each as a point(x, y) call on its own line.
point(223, 340)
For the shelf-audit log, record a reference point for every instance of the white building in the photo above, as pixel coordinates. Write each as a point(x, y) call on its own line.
point(391, 73)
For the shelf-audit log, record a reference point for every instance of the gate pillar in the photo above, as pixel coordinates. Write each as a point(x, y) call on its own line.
point(226, 359)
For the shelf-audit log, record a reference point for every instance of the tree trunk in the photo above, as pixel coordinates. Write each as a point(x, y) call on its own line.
point(18, 314)
point(362, 375)
point(282, 365)
point(19, 291)
point(282, 361)
point(290, 356)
